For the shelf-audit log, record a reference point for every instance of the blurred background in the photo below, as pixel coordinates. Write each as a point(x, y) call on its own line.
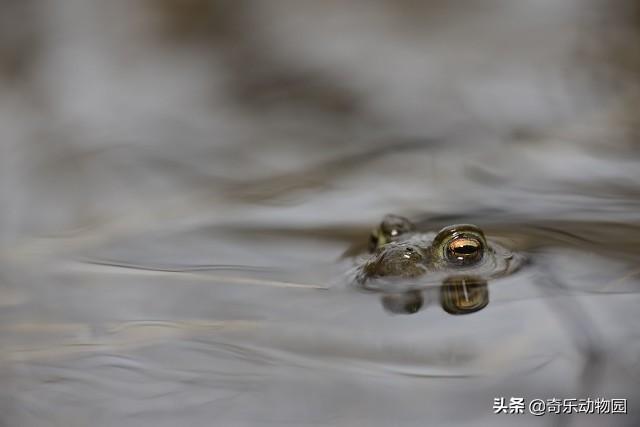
point(179, 181)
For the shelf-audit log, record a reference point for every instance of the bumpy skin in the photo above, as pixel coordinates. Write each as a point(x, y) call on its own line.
point(403, 259)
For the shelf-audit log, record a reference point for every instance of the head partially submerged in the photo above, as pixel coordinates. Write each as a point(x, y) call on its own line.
point(403, 257)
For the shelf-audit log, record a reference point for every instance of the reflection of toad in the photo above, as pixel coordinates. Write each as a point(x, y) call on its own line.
point(458, 295)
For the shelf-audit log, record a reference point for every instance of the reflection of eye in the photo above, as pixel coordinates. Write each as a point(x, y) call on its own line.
point(407, 303)
point(464, 250)
point(464, 295)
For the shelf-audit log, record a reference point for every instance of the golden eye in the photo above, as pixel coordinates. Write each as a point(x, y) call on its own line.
point(464, 250)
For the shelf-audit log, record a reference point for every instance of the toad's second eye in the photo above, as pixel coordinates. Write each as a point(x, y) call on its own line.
point(391, 227)
point(464, 250)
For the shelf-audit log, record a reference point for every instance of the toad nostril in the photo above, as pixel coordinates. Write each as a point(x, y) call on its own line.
point(411, 253)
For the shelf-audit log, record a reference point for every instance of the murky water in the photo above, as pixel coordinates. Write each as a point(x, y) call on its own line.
point(185, 257)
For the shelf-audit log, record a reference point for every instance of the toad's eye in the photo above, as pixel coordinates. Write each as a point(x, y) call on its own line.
point(391, 227)
point(461, 245)
point(464, 250)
